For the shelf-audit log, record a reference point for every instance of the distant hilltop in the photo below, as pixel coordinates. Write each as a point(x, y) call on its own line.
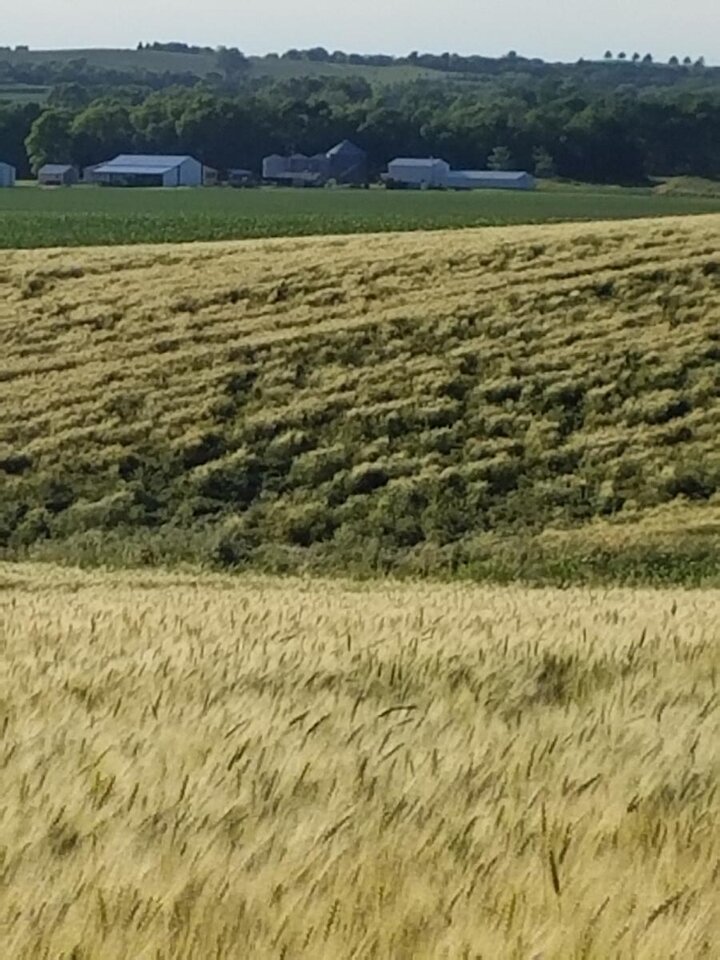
point(159, 56)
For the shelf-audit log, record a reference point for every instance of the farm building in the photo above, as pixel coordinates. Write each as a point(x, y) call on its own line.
point(130, 170)
point(275, 167)
point(490, 180)
point(239, 177)
point(7, 175)
point(345, 163)
point(348, 163)
point(413, 172)
point(211, 177)
point(410, 172)
point(297, 170)
point(58, 175)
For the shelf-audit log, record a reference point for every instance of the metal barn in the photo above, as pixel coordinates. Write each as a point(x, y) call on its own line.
point(490, 180)
point(412, 172)
point(145, 170)
point(7, 175)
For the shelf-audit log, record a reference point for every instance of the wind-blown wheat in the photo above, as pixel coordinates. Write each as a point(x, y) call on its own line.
point(205, 768)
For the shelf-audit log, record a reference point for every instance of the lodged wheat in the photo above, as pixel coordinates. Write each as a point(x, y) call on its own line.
point(369, 403)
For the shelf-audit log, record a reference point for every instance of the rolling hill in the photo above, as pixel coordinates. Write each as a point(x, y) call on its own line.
point(205, 64)
point(29, 75)
point(540, 402)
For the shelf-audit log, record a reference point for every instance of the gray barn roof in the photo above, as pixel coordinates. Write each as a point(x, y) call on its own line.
point(418, 162)
point(346, 148)
point(491, 174)
point(150, 159)
point(56, 168)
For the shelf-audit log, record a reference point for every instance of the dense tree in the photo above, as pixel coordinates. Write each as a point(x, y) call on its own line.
point(231, 62)
point(72, 96)
point(101, 131)
point(318, 55)
point(500, 158)
point(543, 163)
point(50, 139)
point(174, 47)
point(15, 122)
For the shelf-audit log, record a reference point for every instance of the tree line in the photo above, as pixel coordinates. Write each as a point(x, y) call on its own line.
point(554, 126)
point(474, 64)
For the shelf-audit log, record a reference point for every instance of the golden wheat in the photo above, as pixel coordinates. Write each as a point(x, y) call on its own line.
point(106, 346)
point(211, 768)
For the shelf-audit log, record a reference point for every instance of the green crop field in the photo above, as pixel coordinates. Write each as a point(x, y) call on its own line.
point(22, 93)
point(89, 216)
point(204, 64)
point(152, 60)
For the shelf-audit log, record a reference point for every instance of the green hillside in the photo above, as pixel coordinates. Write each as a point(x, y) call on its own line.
point(204, 64)
point(23, 93)
point(535, 401)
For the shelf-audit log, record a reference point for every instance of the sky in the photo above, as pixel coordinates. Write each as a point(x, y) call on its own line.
point(551, 29)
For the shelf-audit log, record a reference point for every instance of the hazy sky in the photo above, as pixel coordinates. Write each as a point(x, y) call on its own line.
point(552, 29)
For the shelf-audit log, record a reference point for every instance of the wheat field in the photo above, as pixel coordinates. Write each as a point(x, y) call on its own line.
point(215, 768)
point(391, 402)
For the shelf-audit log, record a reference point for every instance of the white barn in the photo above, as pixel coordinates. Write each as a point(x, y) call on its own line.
point(7, 175)
point(145, 170)
point(418, 173)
